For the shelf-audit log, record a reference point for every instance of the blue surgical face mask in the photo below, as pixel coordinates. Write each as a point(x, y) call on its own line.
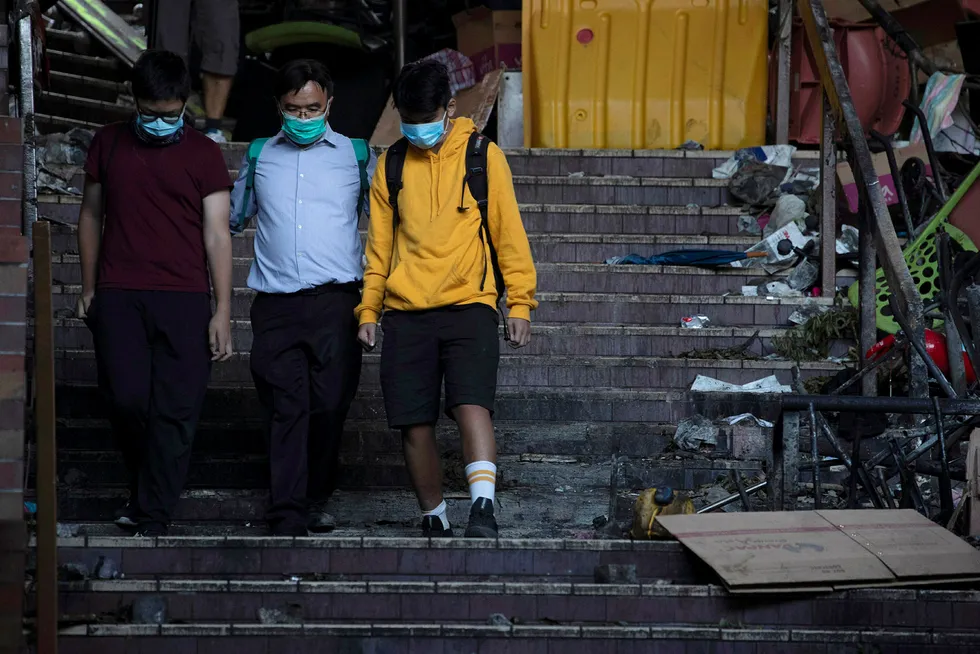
point(425, 135)
point(157, 128)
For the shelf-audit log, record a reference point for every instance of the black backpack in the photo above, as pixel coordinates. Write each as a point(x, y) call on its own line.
point(475, 178)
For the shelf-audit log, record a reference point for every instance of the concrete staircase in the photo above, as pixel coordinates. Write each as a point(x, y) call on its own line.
point(595, 396)
point(87, 84)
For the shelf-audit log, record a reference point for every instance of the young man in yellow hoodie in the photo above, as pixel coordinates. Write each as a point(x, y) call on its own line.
point(430, 269)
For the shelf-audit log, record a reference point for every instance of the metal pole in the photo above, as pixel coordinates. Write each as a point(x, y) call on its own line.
point(817, 500)
point(25, 38)
point(733, 498)
point(828, 204)
point(900, 281)
point(853, 403)
point(868, 302)
point(785, 49)
point(398, 17)
point(47, 471)
point(898, 34)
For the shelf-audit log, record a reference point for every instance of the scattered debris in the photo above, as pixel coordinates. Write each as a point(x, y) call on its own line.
point(728, 353)
point(151, 609)
point(804, 276)
point(812, 340)
point(612, 573)
point(748, 224)
point(690, 145)
point(742, 417)
point(499, 620)
point(704, 384)
point(695, 322)
point(292, 615)
point(771, 246)
point(74, 571)
point(68, 531)
point(771, 155)
point(755, 183)
point(788, 209)
point(106, 568)
point(696, 434)
point(848, 243)
point(655, 503)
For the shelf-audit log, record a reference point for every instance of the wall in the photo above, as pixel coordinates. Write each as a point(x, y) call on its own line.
point(13, 339)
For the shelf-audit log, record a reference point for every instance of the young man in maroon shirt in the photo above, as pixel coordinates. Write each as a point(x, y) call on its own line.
point(153, 224)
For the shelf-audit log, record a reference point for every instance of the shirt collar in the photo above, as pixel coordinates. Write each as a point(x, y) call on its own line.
point(329, 137)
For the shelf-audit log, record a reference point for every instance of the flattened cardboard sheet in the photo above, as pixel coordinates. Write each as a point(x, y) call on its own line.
point(793, 551)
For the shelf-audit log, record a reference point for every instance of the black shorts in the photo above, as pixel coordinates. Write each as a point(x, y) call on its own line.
point(420, 348)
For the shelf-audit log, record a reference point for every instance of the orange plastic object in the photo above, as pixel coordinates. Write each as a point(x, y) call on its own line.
point(644, 75)
point(879, 80)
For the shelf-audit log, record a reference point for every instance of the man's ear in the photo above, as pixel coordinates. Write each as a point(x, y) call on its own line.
point(451, 108)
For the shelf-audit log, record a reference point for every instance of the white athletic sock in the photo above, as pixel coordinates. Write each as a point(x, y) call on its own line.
point(439, 512)
point(482, 478)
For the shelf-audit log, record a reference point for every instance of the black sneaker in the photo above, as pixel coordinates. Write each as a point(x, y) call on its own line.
point(482, 523)
point(432, 528)
point(320, 522)
point(125, 516)
point(289, 528)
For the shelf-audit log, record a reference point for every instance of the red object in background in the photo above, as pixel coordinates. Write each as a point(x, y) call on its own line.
point(878, 78)
point(935, 348)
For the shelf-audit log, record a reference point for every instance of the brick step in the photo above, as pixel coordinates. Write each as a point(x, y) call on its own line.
point(407, 638)
point(561, 277)
point(543, 405)
point(82, 108)
point(48, 124)
point(107, 67)
point(548, 339)
point(382, 470)
point(637, 163)
point(590, 308)
point(84, 85)
point(537, 370)
point(388, 512)
point(654, 220)
point(68, 41)
point(372, 436)
point(557, 601)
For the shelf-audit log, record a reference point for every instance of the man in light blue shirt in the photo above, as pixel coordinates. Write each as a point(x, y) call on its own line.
point(305, 187)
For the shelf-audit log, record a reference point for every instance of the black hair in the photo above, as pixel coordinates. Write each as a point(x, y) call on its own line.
point(298, 73)
point(422, 88)
point(161, 75)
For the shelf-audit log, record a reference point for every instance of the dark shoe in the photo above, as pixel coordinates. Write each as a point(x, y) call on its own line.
point(150, 530)
point(125, 516)
point(289, 528)
point(432, 528)
point(320, 522)
point(482, 523)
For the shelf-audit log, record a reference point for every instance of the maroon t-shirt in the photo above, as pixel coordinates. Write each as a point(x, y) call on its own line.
point(153, 233)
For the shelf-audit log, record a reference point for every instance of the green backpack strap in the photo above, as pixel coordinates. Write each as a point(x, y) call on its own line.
point(252, 157)
point(363, 153)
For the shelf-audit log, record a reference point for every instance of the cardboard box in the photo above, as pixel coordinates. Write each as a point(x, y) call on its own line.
point(849, 186)
point(491, 39)
point(794, 551)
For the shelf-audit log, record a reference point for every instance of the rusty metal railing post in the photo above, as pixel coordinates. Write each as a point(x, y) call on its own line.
point(784, 49)
point(47, 472)
point(900, 282)
point(828, 202)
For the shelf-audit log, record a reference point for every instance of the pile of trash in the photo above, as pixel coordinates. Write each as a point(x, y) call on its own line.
point(60, 158)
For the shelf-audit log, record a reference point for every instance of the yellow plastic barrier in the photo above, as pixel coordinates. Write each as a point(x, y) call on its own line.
point(639, 74)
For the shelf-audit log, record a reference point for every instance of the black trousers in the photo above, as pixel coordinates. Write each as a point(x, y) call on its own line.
point(154, 362)
point(306, 363)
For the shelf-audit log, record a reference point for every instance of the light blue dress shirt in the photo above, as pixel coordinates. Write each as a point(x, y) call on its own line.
point(305, 200)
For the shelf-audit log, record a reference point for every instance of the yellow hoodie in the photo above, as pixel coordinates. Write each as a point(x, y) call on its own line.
point(438, 256)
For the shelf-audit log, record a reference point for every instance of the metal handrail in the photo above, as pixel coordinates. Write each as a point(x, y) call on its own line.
point(879, 238)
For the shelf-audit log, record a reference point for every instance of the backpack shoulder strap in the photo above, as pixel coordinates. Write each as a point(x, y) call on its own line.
point(394, 165)
point(363, 153)
point(252, 157)
point(477, 180)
